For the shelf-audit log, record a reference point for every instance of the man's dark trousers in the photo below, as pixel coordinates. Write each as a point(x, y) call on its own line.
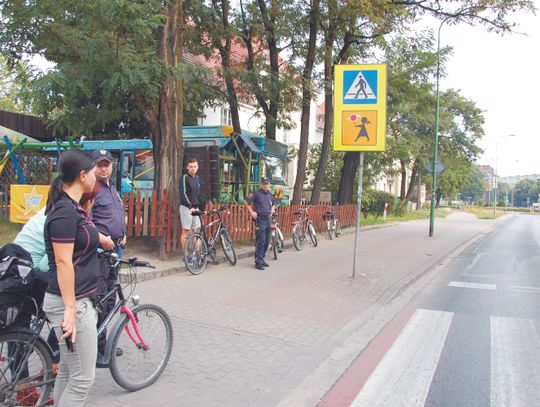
point(262, 237)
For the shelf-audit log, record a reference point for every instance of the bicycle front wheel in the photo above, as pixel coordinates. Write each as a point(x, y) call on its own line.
point(138, 366)
point(338, 228)
point(280, 240)
point(195, 253)
point(297, 236)
point(24, 383)
point(312, 234)
point(228, 246)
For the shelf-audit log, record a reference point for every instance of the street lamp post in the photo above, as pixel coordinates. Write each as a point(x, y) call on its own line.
point(458, 14)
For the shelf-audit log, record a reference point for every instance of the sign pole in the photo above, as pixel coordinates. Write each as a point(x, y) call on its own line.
point(358, 211)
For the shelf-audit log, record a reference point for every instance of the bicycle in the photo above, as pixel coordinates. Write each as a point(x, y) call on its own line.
point(332, 224)
point(277, 243)
point(302, 228)
point(26, 368)
point(200, 245)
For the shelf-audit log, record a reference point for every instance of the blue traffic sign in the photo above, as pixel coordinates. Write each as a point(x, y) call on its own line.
point(360, 87)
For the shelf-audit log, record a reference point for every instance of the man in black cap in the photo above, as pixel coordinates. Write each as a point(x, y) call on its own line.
point(261, 206)
point(109, 217)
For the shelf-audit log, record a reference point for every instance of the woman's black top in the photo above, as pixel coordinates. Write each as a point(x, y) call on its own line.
point(68, 222)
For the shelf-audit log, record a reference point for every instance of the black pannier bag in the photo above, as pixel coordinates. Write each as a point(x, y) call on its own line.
point(16, 285)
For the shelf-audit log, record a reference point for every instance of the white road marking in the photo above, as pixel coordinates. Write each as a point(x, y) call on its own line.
point(515, 361)
point(524, 289)
point(404, 375)
point(480, 286)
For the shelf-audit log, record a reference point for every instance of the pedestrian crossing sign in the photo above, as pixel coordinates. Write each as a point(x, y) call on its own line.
point(360, 107)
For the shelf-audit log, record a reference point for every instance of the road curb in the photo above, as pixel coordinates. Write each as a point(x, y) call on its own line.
point(243, 252)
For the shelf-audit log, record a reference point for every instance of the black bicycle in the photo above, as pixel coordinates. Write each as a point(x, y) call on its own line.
point(143, 332)
point(200, 246)
point(302, 228)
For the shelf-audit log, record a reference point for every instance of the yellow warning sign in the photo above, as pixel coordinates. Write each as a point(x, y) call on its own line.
point(360, 107)
point(26, 201)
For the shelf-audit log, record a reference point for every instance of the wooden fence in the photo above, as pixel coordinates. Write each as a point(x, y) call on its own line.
point(151, 215)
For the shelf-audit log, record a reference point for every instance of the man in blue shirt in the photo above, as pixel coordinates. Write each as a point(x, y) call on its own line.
point(261, 206)
point(109, 217)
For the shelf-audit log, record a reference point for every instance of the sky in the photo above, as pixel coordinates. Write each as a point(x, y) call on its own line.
point(501, 74)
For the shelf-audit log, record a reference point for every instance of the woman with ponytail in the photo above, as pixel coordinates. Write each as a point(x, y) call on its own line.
point(71, 242)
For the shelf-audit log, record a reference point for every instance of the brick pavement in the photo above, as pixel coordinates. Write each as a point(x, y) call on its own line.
point(249, 338)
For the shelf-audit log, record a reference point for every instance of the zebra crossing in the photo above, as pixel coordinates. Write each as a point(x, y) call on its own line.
point(403, 373)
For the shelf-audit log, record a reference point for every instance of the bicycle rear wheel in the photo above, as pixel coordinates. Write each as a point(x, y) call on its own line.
point(330, 226)
point(312, 234)
point(195, 253)
point(34, 384)
point(138, 367)
point(297, 236)
point(228, 246)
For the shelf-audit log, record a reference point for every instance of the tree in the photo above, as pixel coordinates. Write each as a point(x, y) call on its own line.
point(307, 96)
point(12, 97)
point(114, 60)
point(473, 190)
point(267, 30)
point(526, 192)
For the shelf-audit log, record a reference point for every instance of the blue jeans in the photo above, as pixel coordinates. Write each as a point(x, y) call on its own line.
point(263, 234)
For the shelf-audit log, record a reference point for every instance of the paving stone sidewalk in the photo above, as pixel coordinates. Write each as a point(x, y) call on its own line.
point(244, 337)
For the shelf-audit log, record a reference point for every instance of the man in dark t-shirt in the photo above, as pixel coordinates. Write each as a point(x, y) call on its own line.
point(190, 200)
point(261, 206)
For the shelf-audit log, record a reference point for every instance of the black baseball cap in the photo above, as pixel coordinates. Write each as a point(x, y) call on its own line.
point(265, 180)
point(100, 155)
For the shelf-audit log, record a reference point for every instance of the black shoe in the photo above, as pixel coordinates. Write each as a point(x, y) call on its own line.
point(259, 266)
point(101, 362)
point(265, 264)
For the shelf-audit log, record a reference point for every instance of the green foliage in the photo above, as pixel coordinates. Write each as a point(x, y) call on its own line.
point(333, 169)
point(473, 189)
point(12, 82)
point(373, 202)
point(526, 192)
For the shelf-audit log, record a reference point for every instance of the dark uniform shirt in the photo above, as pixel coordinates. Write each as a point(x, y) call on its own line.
point(190, 188)
point(262, 201)
point(68, 222)
point(108, 212)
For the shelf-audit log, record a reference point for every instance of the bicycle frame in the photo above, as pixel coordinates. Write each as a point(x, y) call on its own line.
point(304, 219)
point(210, 238)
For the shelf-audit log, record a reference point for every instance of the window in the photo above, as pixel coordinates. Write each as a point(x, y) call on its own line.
point(226, 119)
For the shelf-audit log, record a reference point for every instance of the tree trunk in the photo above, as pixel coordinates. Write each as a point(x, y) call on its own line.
point(306, 103)
point(225, 53)
point(351, 160)
point(403, 184)
point(328, 116)
point(165, 123)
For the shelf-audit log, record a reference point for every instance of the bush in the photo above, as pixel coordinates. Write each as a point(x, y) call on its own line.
point(373, 202)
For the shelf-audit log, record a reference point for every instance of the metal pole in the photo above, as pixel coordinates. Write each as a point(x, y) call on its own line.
point(436, 137)
point(495, 183)
point(358, 211)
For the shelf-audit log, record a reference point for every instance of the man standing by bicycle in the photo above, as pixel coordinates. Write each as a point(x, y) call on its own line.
point(261, 206)
point(109, 217)
point(190, 189)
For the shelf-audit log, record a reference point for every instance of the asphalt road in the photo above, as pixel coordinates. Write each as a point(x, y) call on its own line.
point(468, 338)
point(286, 335)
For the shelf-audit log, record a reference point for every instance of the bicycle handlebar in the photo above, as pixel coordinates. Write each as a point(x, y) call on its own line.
point(132, 261)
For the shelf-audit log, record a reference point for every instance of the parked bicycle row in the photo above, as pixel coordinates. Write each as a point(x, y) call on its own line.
point(200, 242)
